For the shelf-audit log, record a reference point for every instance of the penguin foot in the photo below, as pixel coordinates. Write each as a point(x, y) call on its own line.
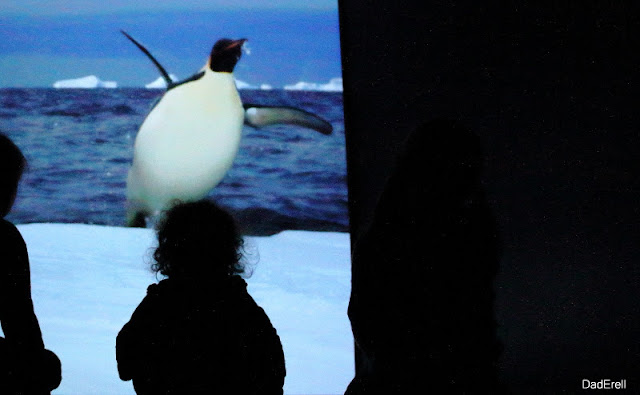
point(138, 220)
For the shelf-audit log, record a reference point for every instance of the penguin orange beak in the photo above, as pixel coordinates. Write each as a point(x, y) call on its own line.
point(235, 44)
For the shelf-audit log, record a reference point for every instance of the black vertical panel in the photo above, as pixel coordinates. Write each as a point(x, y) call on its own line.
point(553, 92)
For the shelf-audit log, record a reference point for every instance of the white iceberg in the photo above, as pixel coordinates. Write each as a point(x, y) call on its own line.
point(160, 83)
point(334, 85)
point(88, 82)
point(244, 85)
point(87, 280)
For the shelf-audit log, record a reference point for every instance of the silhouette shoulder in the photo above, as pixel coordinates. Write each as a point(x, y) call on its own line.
point(13, 250)
point(9, 234)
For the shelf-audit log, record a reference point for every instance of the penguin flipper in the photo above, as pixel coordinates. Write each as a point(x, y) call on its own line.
point(161, 69)
point(258, 116)
point(194, 77)
point(137, 221)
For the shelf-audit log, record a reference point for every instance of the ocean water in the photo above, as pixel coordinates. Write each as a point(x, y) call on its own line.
point(79, 144)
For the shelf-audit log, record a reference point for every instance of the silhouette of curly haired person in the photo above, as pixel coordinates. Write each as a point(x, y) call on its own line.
point(26, 367)
point(198, 330)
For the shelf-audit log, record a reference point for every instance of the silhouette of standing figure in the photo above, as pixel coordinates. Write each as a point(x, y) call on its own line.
point(198, 330)
point(25, 366)
point(421, 305)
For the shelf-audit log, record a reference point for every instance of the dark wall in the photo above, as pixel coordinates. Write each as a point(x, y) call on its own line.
point(553, 92)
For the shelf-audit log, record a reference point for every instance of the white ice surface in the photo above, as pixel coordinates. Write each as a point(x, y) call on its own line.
point(88, 279)
point(90, 81)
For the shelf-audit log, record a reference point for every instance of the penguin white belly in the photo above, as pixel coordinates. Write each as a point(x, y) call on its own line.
point(187, 143)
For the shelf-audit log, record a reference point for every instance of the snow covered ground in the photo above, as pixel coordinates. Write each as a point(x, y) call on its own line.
point(88, 279)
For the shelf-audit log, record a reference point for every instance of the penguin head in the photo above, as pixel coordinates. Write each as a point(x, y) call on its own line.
point(225, 54)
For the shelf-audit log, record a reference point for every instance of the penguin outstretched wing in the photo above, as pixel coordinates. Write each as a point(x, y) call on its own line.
point(258, 116)
point(161, 69)
point(167, 78)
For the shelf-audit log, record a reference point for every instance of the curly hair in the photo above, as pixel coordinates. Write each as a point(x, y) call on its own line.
point(12, 165)
point(198, 240)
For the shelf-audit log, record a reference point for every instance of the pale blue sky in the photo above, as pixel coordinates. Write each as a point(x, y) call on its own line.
point(84, 7)
point(45, 41)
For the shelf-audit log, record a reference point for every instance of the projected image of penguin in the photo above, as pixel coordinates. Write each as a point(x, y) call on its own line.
point(189, 140)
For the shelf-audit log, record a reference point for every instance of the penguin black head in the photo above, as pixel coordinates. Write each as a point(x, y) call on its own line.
point(225, 54)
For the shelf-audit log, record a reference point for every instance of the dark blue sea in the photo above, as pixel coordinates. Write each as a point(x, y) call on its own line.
point(79, 145)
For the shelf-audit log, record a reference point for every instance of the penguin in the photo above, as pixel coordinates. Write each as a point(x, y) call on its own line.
point(190, 138)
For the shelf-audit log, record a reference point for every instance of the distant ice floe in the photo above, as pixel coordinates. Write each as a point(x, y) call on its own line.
point(160, 83)
point(88, 82)
point(245, 85)
point(334, 85)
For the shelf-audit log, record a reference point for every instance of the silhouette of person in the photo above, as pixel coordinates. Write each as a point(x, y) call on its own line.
point(198, 330)
point(26, 367)
point(421, 306)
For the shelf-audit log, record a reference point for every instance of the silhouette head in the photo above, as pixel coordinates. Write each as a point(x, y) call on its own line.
point(450, 154)
point(12, 164)
point(438, 165)
point(198, 240)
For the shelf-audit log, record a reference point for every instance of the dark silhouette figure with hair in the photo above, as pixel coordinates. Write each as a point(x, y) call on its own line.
point(26, 367)
point(198, 330)
point(421, 306)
